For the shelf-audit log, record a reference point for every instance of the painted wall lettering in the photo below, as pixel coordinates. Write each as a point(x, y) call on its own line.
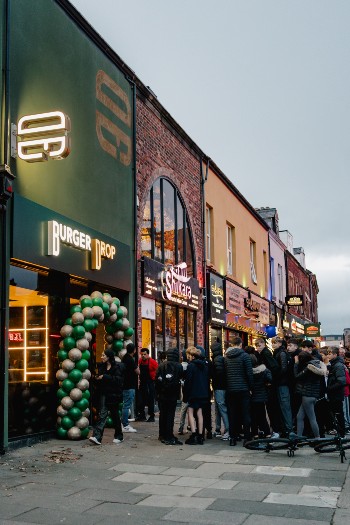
point(114, 149)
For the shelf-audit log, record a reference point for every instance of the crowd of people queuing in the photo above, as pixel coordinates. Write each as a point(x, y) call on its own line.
point(293, 389)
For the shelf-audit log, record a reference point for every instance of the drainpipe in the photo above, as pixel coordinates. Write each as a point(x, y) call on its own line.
point(205, 298)
point(6, 190)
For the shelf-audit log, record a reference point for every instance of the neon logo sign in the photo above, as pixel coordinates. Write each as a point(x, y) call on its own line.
point(175, 282)
point(43, 136)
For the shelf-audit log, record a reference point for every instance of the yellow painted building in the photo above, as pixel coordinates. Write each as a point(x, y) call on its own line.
point(237, 249)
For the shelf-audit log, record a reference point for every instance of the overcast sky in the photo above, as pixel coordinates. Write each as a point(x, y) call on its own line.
point(263, 88)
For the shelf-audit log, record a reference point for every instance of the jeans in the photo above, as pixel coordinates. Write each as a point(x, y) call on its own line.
point(183, 412)
point(128, 400)
point(307, 408)
point(220, 403)
point(259, 420)
point(102, 418)
point(285, 408)
point(346, 412)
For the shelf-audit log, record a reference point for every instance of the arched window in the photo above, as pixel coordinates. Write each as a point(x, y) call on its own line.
point(165, 235)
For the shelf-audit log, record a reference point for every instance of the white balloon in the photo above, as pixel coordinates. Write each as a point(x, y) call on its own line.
point(96, 294)
point(88, 336)
point(86, 374)
point(74, 433)
point(68, 365)
point(124, 310)
point(77, 318)
point(82, 423)
point(83, 384)
point(97, 311)
point(61, 375)
point(74, 354)
point(67, 402)
point(88, 312)
point(113, 308)
point(83, 343)
point(66, 330)
point(76, 394)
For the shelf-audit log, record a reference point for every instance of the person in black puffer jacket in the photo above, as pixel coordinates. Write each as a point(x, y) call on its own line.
point(308, 374)
point(282, 384)
point(335, 387)
point(261, 377)
point(239, 384)
point(110, 380)
point(218, 376)
point(167, 385)
point(196, 393)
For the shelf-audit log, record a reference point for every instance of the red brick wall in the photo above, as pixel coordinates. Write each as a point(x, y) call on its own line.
point(160, 153)
point(298, 284)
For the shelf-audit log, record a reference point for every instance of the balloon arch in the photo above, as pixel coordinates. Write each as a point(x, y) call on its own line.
point(74, 354)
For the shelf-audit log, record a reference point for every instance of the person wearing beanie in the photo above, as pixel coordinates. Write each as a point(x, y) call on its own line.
point(110, 379)
point(167, 381)
point(218, 378)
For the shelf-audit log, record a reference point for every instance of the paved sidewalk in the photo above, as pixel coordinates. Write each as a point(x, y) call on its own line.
point(144, 481)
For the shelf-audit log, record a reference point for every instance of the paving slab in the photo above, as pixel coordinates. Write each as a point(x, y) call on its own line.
point(133, 477)
point(206, 517)
point(191, 481)
point(141, 469)
point(211, 458)
point(341, 517)
point(177, 502)
point(241, 495)
point(283, 471)
point(255, 519)
point(326, 499)
point(42, 516)
point(166, 490)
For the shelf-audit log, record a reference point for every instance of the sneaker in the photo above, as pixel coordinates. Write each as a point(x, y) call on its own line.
point(94, 440)
point(131, 420)
point(209, 435)
point(129, 428)
point(226, 436)
point(117, 441)
point(275, 435)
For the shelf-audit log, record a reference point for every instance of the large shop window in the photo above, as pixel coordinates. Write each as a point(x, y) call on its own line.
point(166, 236)
point(175, 327)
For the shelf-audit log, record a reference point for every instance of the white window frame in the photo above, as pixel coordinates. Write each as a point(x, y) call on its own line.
point(280, 283)
point(229, 231)
point(252, 261)
point(208, 221)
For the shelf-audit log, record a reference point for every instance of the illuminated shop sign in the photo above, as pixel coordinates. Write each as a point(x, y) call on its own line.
point(43, 136)
point(169, 283)
point(58, 232)
point(312, 330)
point(297, 327)
point(217, 299)
point(295, 300)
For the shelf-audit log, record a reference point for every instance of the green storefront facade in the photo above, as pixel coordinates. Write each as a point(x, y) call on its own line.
point(67, 138)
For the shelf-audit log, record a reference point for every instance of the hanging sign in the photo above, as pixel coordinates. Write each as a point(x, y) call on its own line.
point(312, 330)
point(217, 299)
point(294, 300)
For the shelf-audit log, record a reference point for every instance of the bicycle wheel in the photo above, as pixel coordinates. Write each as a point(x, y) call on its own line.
point(266, 445)
point(333, 445)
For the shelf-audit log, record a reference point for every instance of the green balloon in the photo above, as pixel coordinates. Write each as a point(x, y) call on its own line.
point(62, 355)
point(81, 365)
point(107, 316)
point(69, 321)
point(75, 308)
point(84, 433)
point(67, 422)
point(74, 413)
point(120, 313)
point(110, 329)
point(109, 422)
point(82, 404)
point(61, 433)
point(129, 332)
point(95, 321)
point(86, 303)
point(75, 375)
point(61, 393)
point(86, 394)
point(105, 307)
point(97, 301)
point(117, 302)
point(118, 325)
point(85, 355)
point(78, 333)
point(117, 345)
point(67, 385)
point(69, 343)
point(89, 324)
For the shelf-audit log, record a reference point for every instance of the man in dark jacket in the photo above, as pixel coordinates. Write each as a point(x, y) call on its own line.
point(131, 374)
point(239, 384)
point(335, 387)
point(282, 383)
point(266, 358)
point(168, 378)
point(218, 377)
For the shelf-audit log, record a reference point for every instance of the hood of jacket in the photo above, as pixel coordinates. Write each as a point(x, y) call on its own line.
point(232, 353)
point(259, 369)
point(200, 363)
point(216, 349)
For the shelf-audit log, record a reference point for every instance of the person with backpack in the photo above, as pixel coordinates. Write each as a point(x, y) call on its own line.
point(168, 378)
point(110, 380)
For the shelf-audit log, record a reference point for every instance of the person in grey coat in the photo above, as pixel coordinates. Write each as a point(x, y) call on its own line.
point(239, 385)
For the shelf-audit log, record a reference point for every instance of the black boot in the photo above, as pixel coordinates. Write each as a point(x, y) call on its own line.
point(200, 440)
point(191, 440)
point(233, 442)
